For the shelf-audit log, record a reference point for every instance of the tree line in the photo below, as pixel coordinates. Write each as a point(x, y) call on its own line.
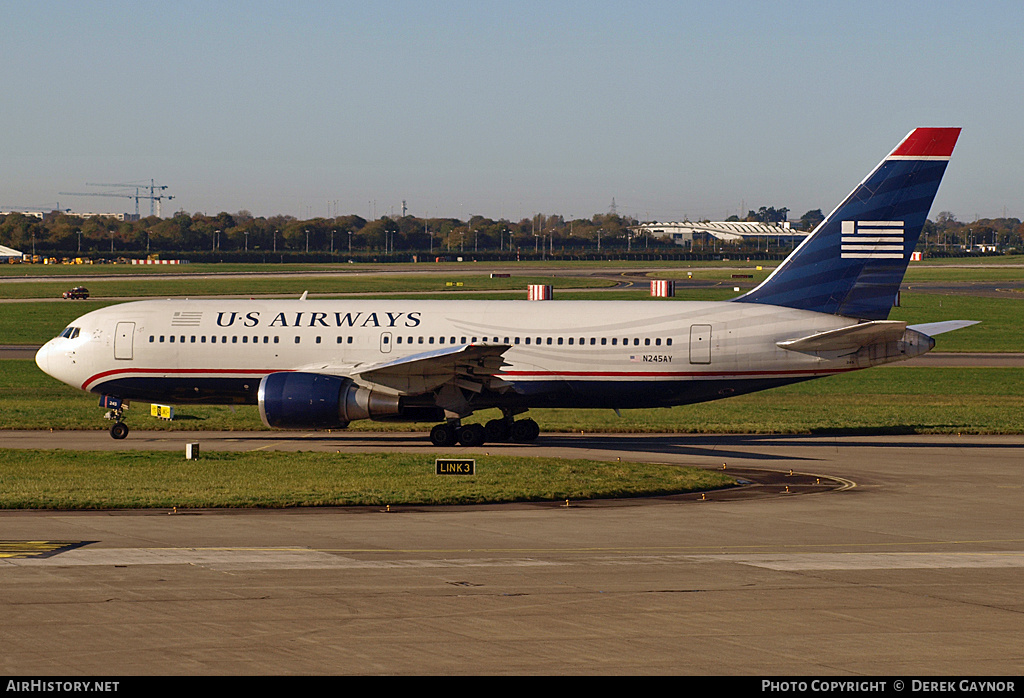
point(64, 234)
point(69, 234)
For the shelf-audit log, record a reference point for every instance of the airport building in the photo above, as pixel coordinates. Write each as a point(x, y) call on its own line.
point(685, 233)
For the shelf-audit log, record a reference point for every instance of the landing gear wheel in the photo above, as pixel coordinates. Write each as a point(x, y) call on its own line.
point(498, 430)
point(525, 430)
point(119, 430)
point(443, 435)
point(471, 435)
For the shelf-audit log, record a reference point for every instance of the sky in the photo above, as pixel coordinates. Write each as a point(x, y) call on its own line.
point(673, 110)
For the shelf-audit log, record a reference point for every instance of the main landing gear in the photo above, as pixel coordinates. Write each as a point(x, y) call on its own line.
point(495, 431)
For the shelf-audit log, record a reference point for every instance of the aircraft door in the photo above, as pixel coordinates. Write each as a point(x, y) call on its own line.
point(700, 344)
point(123, 338)
point(385, 342)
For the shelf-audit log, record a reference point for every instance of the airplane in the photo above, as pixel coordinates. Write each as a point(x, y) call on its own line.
point(321, 364)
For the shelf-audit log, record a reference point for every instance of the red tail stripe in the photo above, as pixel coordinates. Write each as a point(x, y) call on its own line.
point(928, 142)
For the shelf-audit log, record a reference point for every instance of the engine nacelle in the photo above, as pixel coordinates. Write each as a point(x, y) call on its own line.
point(293, 400)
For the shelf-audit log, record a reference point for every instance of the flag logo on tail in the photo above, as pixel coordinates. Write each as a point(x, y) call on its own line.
point(872, 240)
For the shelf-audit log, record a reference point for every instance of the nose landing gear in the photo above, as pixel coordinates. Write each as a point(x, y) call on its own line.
point(118, 430)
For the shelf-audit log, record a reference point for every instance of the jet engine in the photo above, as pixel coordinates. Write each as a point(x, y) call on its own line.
point(295, 400)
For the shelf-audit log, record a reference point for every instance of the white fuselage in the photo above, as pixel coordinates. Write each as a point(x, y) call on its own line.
point(561, 353)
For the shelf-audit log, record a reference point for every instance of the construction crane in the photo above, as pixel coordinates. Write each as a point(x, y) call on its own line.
point(153, 196)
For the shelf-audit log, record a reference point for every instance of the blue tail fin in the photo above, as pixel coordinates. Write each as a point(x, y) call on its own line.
point(854, 261)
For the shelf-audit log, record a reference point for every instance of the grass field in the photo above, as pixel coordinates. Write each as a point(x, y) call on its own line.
point(129, 479)
point(199, 285)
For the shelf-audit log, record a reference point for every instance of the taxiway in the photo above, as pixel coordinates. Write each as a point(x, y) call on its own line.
point(913, 567)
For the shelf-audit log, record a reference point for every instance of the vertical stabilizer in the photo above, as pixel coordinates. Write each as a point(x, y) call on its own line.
point(854, 261)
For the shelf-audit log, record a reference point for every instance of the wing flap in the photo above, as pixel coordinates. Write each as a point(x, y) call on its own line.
point(469, 366)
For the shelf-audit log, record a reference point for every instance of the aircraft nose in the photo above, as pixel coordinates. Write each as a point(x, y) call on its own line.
point(43, 358)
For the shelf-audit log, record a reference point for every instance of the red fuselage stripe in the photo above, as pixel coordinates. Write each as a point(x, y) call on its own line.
point(202, 371)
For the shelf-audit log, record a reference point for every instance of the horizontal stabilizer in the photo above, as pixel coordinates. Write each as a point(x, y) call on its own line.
point(848, 338)
point(933, 328)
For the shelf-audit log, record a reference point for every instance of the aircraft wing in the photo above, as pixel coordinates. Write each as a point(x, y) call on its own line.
point(470, 366)
point(852, 338)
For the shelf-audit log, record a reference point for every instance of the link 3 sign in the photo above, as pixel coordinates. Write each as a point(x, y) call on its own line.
point(455, 466)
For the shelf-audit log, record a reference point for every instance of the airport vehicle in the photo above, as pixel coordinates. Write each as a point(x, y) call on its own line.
point(77, 293)
point(320, 364)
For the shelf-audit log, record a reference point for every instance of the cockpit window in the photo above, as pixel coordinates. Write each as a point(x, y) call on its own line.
point(70, 332)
